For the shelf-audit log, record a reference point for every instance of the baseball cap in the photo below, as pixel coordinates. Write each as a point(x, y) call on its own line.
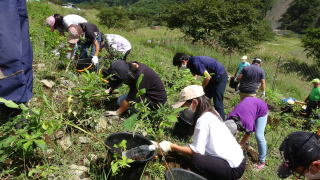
point(74, 33)
point(316, 81)
point(257, 59)
point(298, 149)
point(244, 58)
point(187, 93)
point(51, 21)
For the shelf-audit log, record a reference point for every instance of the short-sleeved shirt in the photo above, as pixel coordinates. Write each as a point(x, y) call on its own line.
point(70, 19)
point(151, 82)
point(315, 94)
point(248, 111)
point(117, 43)
point(251, 79)
point(212, 137)
point(199, 64)
point(242, 65)
point(90, 30)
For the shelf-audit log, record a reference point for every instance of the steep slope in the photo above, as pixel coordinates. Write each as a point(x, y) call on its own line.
point(279, 8)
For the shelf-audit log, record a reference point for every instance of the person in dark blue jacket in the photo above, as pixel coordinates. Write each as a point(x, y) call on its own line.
point(15, 56)
point(215, 76)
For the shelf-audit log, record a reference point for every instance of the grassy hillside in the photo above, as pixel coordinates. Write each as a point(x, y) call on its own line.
point(75, 105)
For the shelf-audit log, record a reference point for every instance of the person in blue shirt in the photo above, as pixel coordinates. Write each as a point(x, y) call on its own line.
point(214, 73)
point(241, 65)
point(16, 56)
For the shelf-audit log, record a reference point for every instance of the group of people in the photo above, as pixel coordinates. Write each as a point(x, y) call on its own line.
point(215, 152)
point(86, 40)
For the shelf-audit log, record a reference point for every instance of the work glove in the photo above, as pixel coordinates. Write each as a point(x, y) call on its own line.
point(165, 146)
point(111, 113)
point(156, 144)
point(95, 60)
point(263, 94)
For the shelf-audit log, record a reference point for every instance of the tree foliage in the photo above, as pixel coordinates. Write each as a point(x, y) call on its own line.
point(233, 25)
point(301, 15)
point(114, 17)
point(311, 43)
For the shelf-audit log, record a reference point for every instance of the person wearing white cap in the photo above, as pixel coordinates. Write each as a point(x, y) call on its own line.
point(251, 78)
point(214, 151)
point(313, 100)
point(241, 65)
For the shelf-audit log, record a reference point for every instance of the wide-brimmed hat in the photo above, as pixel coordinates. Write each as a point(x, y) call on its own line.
point(51, 21)
point(316, 81)
point(74, 33)
point(189, 92)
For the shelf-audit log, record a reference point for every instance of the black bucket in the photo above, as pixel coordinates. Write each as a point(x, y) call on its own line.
point(181, 174)
point(136, 168)
point(84, 64)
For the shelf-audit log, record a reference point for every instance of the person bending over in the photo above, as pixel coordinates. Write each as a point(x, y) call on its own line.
point(249, 116)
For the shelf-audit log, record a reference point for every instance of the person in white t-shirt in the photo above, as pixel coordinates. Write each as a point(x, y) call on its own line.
point(117, 46)
point(215, 152)
point(63, 24)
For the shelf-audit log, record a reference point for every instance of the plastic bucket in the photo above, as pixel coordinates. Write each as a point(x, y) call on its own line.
point(181, 174)
point(84, 64)
point(136, 168)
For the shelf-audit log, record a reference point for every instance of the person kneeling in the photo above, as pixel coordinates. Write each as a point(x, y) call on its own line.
point(213, 157)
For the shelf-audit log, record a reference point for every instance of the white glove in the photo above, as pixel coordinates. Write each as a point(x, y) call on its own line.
point(263, 94)
point(165, 146)
point(111, 113)
point(95, 60)
point(155, 144)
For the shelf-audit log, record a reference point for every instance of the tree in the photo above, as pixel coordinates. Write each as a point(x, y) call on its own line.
point(301, 15)
point(114, 17)
point(233, 25)
point(311, 43)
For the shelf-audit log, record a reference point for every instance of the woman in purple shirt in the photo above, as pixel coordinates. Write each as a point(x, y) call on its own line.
point(251, 115)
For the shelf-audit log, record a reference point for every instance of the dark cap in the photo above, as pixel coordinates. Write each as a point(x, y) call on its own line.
point(298, 149)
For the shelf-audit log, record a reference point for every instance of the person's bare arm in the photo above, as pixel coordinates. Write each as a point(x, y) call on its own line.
point(206, 79)
point(96, 44)
point(123, 107)
point(263, 85)
point(244, 139)
point(181, 149)
point(239, 77)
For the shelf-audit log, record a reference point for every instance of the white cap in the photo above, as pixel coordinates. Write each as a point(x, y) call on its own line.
point(244, 58)
point(187, 93)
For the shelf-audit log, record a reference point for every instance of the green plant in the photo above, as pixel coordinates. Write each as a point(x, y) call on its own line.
point(311, 43)
point(114, 17)
point(43, 172)
point(118, 163)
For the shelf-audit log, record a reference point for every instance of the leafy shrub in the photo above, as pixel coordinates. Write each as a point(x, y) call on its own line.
point(114, 17)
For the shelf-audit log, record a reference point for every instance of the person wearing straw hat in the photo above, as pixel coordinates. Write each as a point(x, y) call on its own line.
point(313, 100)
point(214, 73)
point(301, 155)
point(212, 156)
point(251, 78)
point(249, 116)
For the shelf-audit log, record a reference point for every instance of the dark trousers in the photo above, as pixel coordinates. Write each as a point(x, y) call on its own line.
point(215, 90)
point(15, 52)
point(216, 168)
point(312, 105)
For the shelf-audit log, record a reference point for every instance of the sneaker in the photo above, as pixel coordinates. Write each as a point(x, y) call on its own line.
point(259, 166)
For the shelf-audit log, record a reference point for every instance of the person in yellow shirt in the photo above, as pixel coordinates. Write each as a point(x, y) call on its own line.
point(313, 100)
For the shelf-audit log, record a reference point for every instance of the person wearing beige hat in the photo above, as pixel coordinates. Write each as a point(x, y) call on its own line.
point(241, 65)
point(313, 100)
point(212, 156)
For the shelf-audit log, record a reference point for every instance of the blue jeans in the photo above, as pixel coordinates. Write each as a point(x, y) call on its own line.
point(261, 123)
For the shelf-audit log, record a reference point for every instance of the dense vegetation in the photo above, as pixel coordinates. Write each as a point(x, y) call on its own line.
point(74, 107)
point(301, 15)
